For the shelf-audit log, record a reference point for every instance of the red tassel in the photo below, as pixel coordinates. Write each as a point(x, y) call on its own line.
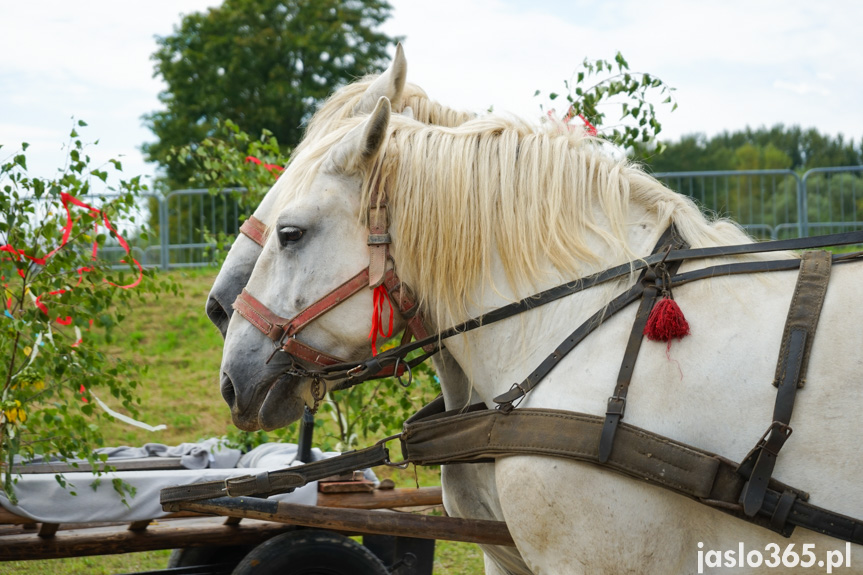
point(666, 322)
point(380, 296)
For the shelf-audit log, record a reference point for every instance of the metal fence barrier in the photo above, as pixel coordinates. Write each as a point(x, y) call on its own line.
point(769, 204)
point(773, 204)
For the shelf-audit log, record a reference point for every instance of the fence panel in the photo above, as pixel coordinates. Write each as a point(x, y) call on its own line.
point(764, 202)
point(188, 220)
point(769, 204)
point(833, 200)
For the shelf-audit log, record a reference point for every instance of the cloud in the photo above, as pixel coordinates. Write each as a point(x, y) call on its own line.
point(733, 63)
point(801, 88)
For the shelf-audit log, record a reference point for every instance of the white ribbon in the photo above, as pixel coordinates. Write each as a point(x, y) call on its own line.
point(126, 418)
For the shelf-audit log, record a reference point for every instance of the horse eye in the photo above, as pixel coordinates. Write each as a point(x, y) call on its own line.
point(289, 234)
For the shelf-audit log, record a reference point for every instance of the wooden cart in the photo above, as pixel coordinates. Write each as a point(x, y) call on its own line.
point(220, 535)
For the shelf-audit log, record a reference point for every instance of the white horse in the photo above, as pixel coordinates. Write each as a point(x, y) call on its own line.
point(356, 99)
point(491, 211)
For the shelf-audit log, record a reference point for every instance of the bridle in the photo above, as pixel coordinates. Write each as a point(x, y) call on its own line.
point(379, 274)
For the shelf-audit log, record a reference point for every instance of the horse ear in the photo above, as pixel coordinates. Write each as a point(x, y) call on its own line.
point(360, 147)
point(390, 84)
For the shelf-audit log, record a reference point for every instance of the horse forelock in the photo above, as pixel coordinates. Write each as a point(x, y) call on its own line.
point(324, 130)
point(539, 203)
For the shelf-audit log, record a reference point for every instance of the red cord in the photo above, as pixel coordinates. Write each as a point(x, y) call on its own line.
point(379, 297)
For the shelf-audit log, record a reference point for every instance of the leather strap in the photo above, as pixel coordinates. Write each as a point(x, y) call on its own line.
point(283, 331)
point(805, 310)
point(617, 402)
point(280, 481)
point(506, 400)
point(255, 230)
point(667, 240)
point(797, 338)
point(406, 303)
point(278, 328)
point(379, 237)
point(362, 369)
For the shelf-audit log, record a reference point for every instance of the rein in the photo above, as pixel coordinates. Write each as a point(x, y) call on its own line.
point(667, 255)
point(357, 372)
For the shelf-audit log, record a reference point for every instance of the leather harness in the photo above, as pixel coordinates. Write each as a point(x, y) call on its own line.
point(432, 436)
point(282, 331)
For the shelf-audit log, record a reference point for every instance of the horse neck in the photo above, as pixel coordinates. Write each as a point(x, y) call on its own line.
point(487, 361)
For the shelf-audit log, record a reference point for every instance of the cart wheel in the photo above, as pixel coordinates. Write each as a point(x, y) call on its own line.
point(310, 553)
point(226, 557)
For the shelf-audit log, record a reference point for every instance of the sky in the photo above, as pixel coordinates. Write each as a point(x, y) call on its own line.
point(733, 63)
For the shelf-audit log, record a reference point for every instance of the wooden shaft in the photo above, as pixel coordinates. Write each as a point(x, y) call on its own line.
point(358, 520)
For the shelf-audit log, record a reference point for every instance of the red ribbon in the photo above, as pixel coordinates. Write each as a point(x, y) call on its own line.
point(271, 167)
point(67, 232)
point(379, 297)
point(589, 128)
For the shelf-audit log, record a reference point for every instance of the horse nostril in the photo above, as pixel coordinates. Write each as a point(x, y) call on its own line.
point(228, 392)
point(218, 315)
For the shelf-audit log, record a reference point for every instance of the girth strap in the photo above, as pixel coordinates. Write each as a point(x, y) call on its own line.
point(797, 340)
point(432, 438)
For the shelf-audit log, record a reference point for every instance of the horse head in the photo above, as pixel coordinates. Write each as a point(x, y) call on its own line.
point(355, 99)
point(307, 302)
point(352, 100)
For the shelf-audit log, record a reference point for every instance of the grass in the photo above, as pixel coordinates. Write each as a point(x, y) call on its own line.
point(180, 350)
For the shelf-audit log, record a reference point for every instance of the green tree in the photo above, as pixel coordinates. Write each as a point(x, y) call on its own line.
point(62, 299)
point(763, 148)
point(264, 64)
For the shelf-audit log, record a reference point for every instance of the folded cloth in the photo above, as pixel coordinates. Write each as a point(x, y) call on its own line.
point(212, 453)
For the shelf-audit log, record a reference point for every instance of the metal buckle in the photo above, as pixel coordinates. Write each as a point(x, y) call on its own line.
point(616, 405)
point(230, 480)
point(379, 239)
point(779, 427)
point(372, 365)
point(508, 406)
point(388, 463)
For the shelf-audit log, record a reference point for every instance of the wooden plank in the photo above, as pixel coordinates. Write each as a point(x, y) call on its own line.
point(12, 518)
point(357, 520)
point(384, 499)
point(141, 464)
point(346, 487)
point(198, 532)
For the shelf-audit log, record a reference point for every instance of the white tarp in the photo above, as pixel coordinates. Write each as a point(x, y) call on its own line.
point(41, 498)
